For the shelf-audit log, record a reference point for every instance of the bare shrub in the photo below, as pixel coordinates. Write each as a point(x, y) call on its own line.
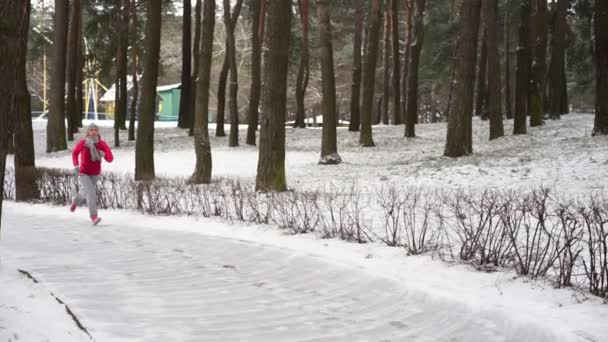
point(535, 238)
point(417, 212)
point(572, 234)
point(595, 218)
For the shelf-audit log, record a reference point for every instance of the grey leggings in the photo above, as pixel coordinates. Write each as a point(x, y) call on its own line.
point(88, 193)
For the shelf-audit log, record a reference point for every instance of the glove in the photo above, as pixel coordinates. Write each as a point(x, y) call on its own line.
point(76, 169)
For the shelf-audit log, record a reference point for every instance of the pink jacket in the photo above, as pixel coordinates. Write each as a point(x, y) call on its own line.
point(88, 166)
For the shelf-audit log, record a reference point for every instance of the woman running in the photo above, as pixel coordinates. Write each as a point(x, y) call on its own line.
point(87, 156)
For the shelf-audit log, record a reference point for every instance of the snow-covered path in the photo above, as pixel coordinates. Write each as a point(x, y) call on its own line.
point(128, 283)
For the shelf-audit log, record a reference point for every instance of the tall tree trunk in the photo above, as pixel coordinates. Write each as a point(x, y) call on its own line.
point(409, 6)
point(80, 78)
point(329, 145)
point(411, 117)
point(396, 108)
point(508, 97)
point(122, 64)
point(600, 26)
point(202, 145)
point(134, 68)
point(369, 73)
point(303, 69)
point(355, 91)
point(522, 74)
point(144, 147)
point(557, 84)
point(72, 68)
point(183, 120)
point(480, 103)
point(221, 97)
point(234, 80)
point(26, 188)
point(459, 133)
point(196, 61)
point(120, 108)
point(15, 104)
point(271, 160)
point(255, 6)
point(539, 63)
point(55, 128)
point(386, 54)
point(490, 10)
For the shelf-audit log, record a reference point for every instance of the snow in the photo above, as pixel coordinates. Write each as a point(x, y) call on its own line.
point(561, 154)
point(142, 278)
point(133, 262)
point(22, 303)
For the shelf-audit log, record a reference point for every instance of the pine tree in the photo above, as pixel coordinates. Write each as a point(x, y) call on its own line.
point(490, 10)
point(55, 129)
point(15, 104)
point(369, 73)
point(304, 68)
point(411, 116)
point(257, 17)
point(355, 92)
point(459, 133)
point(536, 103)
point(601, 68)
point(202, 145)
point(271, 160)
point(558, 93)
point(144, 147)
point(231, 20)
point(183, 120)
point(329, 146)
point(522, 77)
point(396, 79)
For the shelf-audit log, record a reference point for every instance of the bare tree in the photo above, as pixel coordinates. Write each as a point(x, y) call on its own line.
point(144, 147)
point(202, 145)
point(304, 68)
point(459, 135)
point(329, 146)
point(355, 93)
point(601, 68)
point(369, 73)
point(271, 161)
point(55, 128)
point(411, 116)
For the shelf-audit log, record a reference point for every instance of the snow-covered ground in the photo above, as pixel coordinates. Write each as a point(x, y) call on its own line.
point(29, 313)
point(142, 278)
point(139, 278)
point(561, 154)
